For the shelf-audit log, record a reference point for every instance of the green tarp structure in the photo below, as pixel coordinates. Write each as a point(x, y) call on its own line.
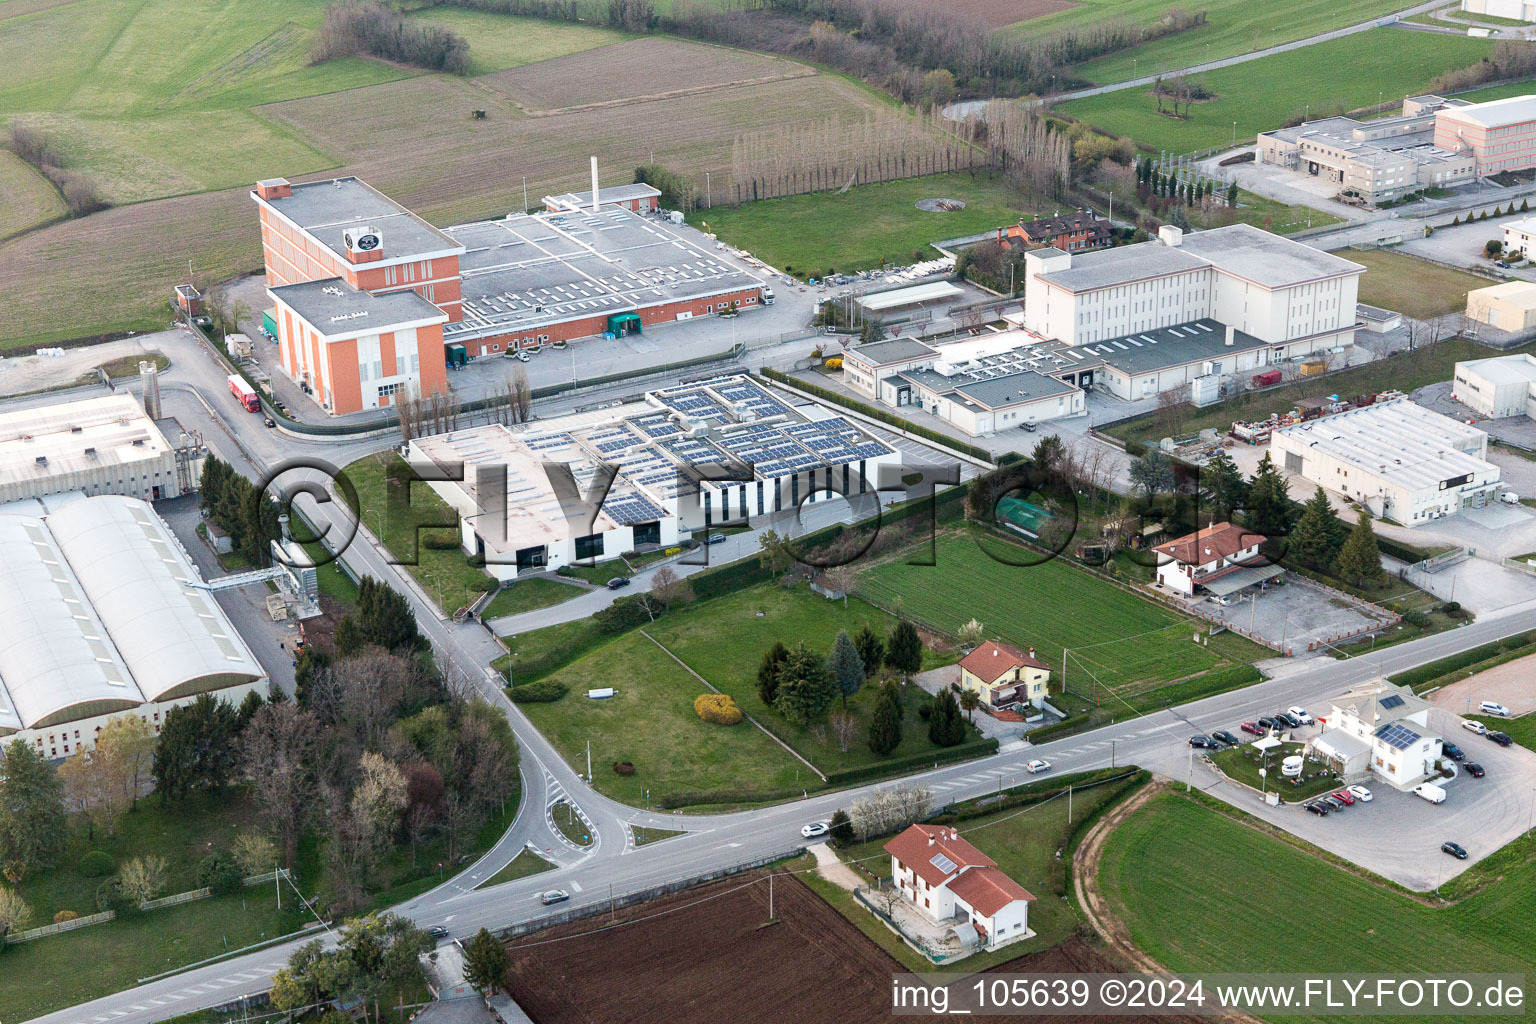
point(624, 323)
point(1020, 513)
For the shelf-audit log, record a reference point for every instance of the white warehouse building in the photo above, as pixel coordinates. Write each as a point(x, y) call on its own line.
point(1497, 387)
point(96, 446)
point(1400, 460)
point(664, 451)
point(104, 616)
point(1292, 297)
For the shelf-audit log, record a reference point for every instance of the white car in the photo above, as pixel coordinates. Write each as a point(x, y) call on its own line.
point(1360, 793)
point(1472, 725)
point(1302, 715)
point(1037, 766)
point(814, 829)
point(1489, 707)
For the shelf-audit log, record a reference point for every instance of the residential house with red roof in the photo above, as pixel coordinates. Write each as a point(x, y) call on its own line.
point(1002, 675)
point(1221, 559)
point(951, 882)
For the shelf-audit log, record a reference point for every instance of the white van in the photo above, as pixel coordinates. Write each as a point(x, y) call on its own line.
point(1429, 791)
point(1489, 707)
point(1510, 498)
point(767, 296)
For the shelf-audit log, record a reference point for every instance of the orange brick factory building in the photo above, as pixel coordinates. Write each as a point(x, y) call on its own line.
point(372, 303)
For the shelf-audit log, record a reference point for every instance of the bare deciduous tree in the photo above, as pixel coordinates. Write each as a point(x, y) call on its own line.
point(276, 749)
point(844, 727)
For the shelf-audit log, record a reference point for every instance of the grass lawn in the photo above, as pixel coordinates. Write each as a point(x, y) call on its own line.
point(1412, 287)
point(1328, 78)
point(1404, 372)
point(1233, 27)
point(500, 41)
point(644, 835)
point(572, 827)
point(1498, 92)
point(1242, 764)
point(1122, 639)
point(827, 231)
point(26, 197)
point(334, 582)
point(526, 595)
point(1281, 218)
point(563, 643)
point(63, 970)
point(1177, 873)
point(381, 491)
point(523, 865)
point(598, 573)
point(650, 722)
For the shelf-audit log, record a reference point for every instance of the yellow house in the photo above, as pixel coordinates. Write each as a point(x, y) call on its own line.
point(1003, 675)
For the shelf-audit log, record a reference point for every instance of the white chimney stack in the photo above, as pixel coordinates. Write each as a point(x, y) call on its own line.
point(1231, 335)
point(594, 184)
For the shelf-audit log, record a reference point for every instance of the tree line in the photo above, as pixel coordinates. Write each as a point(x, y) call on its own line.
point(377, 29)
point(37, 147)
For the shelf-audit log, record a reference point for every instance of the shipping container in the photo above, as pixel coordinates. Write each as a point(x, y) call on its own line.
point(1267, 379)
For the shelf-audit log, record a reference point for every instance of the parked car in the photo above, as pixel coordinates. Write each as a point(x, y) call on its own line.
point(1474, 769)
point(1225, 737)
point(1360, 793)
point(1318, 808)
point(1028, 426)
point(1501, 738)
point(1501, 263)
point(554, 896)
point(271, 423)
point(437, 931)
point(1287, 719)
point(1037, 766)
point(1302, 715)
point(715, 538)
point(1252, 727)
point(814, 829)
point(1268, 724)
point(1204, 743)
point(1344, 795)
point(1334, 802)
point(1472, 725)
point(617, 582)
point(1491, 707)
point(1455, 850)
point(1453, 752)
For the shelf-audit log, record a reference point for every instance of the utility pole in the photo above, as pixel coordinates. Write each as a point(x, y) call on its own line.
point(707, 204)
point(1069, 805)
point(1111, 753)
point(1189, 774)
point(589, 762)
point(525, 193)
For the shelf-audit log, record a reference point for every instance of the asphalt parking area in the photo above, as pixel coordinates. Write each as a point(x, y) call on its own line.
point(1398, 835)
point(1296, 614)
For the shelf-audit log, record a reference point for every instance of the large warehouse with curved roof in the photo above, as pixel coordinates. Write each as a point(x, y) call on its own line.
point(102, 617)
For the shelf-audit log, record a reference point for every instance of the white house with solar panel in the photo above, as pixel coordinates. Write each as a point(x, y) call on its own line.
point(685, 458)
point(104, 614)
point(1379, 729)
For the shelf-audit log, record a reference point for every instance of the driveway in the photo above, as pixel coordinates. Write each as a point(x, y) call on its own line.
point(936, 680)
point(1297, 614)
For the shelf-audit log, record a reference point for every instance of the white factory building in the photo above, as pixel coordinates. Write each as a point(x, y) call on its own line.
point(96, 446)
point(668, 453)
point(1400, 460)
point(104, 616)
point(1293, 298)
point(1497, 387)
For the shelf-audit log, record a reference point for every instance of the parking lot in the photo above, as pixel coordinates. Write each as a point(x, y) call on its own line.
point(1295, 614)
point(1398, 835)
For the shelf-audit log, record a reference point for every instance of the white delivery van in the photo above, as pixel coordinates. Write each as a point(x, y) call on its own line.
point(767, 296)
point(1431, 792)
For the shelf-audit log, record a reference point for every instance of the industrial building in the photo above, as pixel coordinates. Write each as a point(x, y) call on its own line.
point(636, 198)
point(1434, 143)
point(1497, 387)
point(1509, 307)
point(1515, 10)
point(97, 446)
point(1290, 297)
point(105, 614)
point(1399, 460)
point(684, 458)
point(353, 337)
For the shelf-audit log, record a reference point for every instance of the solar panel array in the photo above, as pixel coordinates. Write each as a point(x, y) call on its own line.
point(942, 862)
point(1391, 701)
point(656, 424)
point(1396, 735)
point(632, 507)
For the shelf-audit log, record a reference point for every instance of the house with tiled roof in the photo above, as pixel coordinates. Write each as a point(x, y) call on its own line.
point(950, 882)
point(1382, 729)
point(1221, 559)
point(1069, 232)
point(1004, 676)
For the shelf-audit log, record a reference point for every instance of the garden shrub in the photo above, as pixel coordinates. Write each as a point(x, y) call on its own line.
point(625, 768)
point(65, 915)
point(545, 691)
point(97, 864)
point(718, 708)
point(219, 873)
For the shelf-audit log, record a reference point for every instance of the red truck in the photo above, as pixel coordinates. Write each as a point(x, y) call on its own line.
point(244, 393)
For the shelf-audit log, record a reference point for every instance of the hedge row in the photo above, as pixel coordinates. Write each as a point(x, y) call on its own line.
point(1401, 552)
point(837, 398)
point(900, 765)
point(1029, 793)
point(1430, 671)
point(543, 692)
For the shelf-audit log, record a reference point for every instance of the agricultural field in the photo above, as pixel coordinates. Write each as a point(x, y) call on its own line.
point(1124, 642)
point(1498, 92)
point(628, 72)
point(1413, 287)
point(26, 197)
point(1175, 866)
point(498, 41)
point(1328, 78)
point(1002, 13)
point(858, 229)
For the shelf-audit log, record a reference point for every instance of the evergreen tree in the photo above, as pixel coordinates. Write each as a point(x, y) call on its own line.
point(847, 667)
point(1270, 510)
point(1048, 453)
point(768, 672)
point(382, 618)
point(904, 651)
point(806, 686)
point(248, 709)
point(486, 962)
point(885, 724)
point(1360, 559)
point(1319, 533)
point(1152, 471)
point(840, 828)
point(1222, 488)
point(33, 825)
point(946, 727)
point(870, 647)
point(1232, 195)
point(892, 692)
point(196, 748)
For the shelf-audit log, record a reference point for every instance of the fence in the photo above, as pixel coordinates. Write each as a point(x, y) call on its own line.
point(164, 901)
point(890, 922)
point(62, 926)
point(1444, 560)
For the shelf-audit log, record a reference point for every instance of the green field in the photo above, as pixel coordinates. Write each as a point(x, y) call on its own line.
point(524, 865)
point(1124, 641)
point(1328, 78)
point(498, 42)
point(854, 231)
point(1498, 92)
point(527, 595)
point(1180, 876)
point(1521, 729)
point(1413, 287)
point(445, 575)
point(1232, 27)
point(26, 197)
